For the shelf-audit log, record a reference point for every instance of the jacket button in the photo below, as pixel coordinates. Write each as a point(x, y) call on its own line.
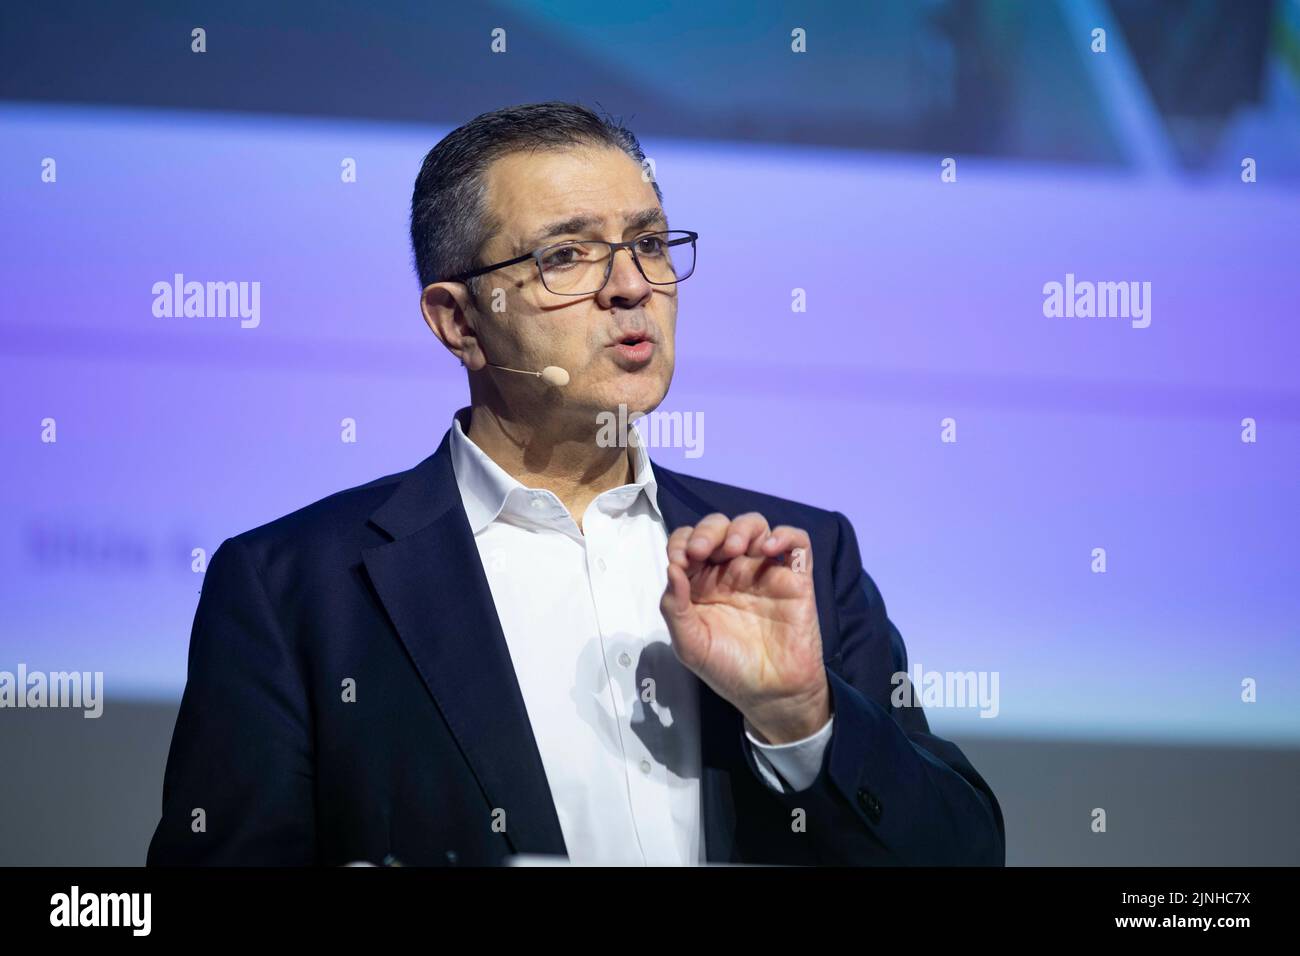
point(869, 803)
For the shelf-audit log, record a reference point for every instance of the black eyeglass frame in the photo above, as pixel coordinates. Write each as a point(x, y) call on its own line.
point(536, 256)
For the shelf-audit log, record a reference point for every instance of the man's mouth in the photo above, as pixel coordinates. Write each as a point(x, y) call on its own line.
point(635, 348)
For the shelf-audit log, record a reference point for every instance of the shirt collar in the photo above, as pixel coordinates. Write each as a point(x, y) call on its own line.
point(486, 489)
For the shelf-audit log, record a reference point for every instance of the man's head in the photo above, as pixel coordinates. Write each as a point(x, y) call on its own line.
point(525, 178)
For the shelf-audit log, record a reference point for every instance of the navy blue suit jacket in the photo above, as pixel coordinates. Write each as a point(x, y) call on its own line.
point(383, 584)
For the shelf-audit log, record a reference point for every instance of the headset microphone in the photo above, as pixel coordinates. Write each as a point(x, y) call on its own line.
point(552, 375)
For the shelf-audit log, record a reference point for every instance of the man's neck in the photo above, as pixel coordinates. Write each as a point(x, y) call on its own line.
point(573, 466)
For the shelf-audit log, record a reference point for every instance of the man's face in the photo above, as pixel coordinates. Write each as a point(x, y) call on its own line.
point(549, 197)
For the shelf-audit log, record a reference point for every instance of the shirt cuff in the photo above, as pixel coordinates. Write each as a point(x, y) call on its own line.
point(798, 761)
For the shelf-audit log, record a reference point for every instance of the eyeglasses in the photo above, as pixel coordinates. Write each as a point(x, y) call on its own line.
point(583, 266)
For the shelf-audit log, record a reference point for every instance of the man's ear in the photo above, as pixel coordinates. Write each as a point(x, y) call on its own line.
point(446, 307)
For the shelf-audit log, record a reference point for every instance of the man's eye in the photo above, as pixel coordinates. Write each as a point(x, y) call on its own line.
point(564, 256)
point(650, 245)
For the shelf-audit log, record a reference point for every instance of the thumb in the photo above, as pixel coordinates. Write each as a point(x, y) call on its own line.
point(681, 616)
point(676, 602)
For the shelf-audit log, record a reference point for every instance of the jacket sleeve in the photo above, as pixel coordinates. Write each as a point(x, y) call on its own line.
point(889, 791)
point(238, 788)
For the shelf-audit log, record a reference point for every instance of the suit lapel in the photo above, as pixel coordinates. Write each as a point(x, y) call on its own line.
point(431, 582)
point(432, 585)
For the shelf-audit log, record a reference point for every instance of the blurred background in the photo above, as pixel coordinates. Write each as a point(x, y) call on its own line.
point(1171, 156)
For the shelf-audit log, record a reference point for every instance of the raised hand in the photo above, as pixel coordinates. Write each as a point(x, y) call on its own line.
point(742, 616)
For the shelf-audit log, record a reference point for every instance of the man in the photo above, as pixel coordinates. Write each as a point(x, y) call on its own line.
point(535, 641)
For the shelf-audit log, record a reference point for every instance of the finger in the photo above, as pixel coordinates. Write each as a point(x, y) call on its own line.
point(708, 534)
point(677, 546)
point(742, 537)
point(682, 619)
point(784, 541)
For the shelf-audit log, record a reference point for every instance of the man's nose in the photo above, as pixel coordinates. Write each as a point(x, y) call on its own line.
point(626, 283)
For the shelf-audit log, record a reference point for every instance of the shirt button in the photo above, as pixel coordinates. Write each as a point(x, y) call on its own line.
point(625, 659)
point(645, 766)
point(538, 503)
point(600, 563)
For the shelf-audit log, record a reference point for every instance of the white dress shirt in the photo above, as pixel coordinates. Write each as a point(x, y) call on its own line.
point(614, 712)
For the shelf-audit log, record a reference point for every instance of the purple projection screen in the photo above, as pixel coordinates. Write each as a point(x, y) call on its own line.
point(895, 311)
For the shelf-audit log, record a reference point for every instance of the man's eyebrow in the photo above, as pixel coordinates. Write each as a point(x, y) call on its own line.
point(572, 224)
point(647, 217)
point(637, 220)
